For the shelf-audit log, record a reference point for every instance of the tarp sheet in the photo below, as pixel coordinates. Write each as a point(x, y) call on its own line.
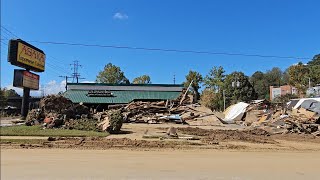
point(302, 100)
point(315, 107)
point(236, 112)
point(307, 103)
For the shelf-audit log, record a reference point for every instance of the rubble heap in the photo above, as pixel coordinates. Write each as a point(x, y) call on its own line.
point(281, 120)
point(181, 110)
point(54, 110)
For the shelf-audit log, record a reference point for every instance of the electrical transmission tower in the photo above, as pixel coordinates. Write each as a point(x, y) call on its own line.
point(76, 75)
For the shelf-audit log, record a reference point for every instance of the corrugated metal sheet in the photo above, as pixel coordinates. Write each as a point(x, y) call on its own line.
point(120, 97)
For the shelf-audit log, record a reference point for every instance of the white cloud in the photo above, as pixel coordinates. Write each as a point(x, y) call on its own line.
point(87, 82)
point(120, 16)
point(295, 64)
point(54, 87)
point(18, 90)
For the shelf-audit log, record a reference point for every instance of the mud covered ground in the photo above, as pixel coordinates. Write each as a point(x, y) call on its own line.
point(232, 139)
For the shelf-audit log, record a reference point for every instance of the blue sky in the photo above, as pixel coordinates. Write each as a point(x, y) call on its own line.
point(273, 27)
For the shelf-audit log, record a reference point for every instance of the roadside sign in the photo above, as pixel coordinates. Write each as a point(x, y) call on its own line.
point(23, 78)
point(25, 55)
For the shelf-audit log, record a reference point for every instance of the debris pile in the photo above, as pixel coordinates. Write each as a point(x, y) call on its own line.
point(54, 110)
point(181, 111)
point(302, 118)
point(112, 123)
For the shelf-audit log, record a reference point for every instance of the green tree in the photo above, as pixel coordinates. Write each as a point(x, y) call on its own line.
point(314, 74)
point(315, 60)
point(212, 100)
point(214, 80)
point(10, 93)
point(274, 77)
point(212, 97)
point(5, 94)
point(112, 74)
point(196, 79)
point(298, 77)
point(260, 84)
point(3, 99)
point(238, 88)
point(285, 77)
point(314, 70)
point(144, 79)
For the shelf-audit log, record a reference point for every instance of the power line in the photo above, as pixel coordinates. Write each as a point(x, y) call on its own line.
point(50, 67)
point(162, 50)
point(58, 67)
point(53, 69)
point(168, 50)
point(6, 35)
point(9, 31)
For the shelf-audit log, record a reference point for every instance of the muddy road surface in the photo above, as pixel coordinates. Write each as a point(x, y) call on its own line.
point(169, 164)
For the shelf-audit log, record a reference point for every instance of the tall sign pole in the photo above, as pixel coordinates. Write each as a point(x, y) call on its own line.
point(27, 56)
point(25, 102)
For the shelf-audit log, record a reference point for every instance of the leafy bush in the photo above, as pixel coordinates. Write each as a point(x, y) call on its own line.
point(116, 119)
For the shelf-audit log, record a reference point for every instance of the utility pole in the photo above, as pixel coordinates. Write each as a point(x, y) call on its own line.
point(224, 100)
point(67, 77)
point(309, 83)
point(174, 78)
point(76, 75)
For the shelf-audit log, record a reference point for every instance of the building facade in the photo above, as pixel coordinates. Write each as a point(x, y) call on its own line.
point(99, 94)
point(282, 90)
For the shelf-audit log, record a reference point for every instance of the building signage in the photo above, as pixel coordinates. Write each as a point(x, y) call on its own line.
point(99, 93)
point(23, 78)
point(25, 55)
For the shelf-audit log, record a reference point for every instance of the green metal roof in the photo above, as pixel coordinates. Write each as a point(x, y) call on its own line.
point(120, 97)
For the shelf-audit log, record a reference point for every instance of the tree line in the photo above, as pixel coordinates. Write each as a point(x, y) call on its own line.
point(216, 85)
point(234, 87)
point(237, 86)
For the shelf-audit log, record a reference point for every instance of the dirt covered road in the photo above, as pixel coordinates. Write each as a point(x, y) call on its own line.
point(169, 164)
point(218, 153)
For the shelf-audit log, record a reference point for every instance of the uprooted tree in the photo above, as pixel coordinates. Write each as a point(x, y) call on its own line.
point(112, 74)
point(115, 122)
